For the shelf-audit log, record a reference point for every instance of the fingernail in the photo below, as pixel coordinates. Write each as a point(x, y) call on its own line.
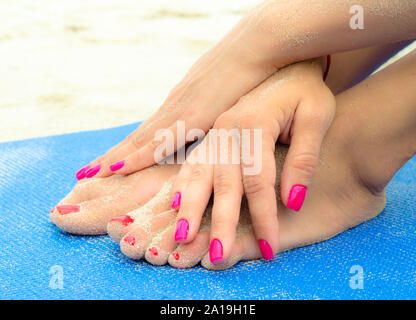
point(215, 251)
point(117, 166)
point(93, 171)
point(182, 229)
point(67, 208)
point(81, 172)
point(296, 197)
point(153, 250)
point(176, 202)
point(124, 219)
point(130, 240)
point(266, 250)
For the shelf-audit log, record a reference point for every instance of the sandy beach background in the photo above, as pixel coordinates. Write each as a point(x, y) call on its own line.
point(87, 64)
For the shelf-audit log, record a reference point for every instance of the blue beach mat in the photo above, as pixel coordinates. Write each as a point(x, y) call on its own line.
point(372, 261)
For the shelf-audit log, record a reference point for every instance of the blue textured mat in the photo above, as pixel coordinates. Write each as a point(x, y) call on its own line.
point(35, 174)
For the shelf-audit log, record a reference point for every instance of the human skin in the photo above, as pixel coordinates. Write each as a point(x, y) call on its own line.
point(281, 32)
point(296, 111)
point(349, 188)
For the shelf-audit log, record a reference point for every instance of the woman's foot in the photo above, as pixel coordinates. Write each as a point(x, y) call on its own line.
point(372, 136)
point(136, 212)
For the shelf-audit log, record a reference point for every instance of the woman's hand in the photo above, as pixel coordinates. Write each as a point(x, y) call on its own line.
point(212, 85)
point(273, 34)
point(293, 106)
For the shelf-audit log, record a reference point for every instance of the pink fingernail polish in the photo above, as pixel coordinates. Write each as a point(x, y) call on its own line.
point(81, 172)
point(266, 250)
point(296, 197)
point(176, 202)
point(93, 171)
point(124, 219)
point(154, 251)
point(67, 208)
point(215, 251)
point(117, 166)
point(182, 229)
point(130, 240)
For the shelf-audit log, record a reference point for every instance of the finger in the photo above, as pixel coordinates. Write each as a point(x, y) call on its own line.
point(180, 183)
point(310, 125)
point(195, 199)
point(163, 144)
point(182, 179)
point(228, 192)
point(259, 188)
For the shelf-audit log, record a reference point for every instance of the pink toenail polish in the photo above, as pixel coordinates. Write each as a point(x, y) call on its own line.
point(153, 250)
point(176, 202)
point(296, 197)
point(67, 208)
point(52, 210)
point(117, 166)
point(91, 172)
point(81, 172)
point(266, 250)
point(215, 251)
point(130, 240)
point(124, 219)
point(182, 229)
point(175, 255)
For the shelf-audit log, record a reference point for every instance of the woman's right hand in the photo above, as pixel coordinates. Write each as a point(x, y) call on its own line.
point(213, 84)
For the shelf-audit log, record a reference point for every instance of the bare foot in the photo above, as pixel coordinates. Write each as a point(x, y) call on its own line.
point(358, 159)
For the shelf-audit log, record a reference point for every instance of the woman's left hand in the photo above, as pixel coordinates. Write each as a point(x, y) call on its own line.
point(294, 106)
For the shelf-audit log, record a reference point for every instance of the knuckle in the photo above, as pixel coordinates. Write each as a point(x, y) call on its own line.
point(224, 120)
point(254, 184)
point(245, 120)
point(223, 222)
point(198, 173)
point(224, 185)
point(305, 163)
point(137, 140)
point(153, 144)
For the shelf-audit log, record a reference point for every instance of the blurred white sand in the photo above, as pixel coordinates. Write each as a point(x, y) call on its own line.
point(86, 64)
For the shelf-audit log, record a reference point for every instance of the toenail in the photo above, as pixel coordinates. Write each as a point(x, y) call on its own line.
point(182, 229)
point(130, 240)
point(117, 166)
point(215, 251)
point(296, 197)
point(124, 219)
point(154, 251)
point(175, 255)
point(93, 171)
point(176, 202)
point(52, 210)
point(266, 250)
point(67, 208)
point(81, 172)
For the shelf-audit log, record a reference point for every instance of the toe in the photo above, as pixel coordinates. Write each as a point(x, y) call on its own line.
point(161, 246)
point(121, 225)
point(190, 254)
point(246, 248)
point(142, 231)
